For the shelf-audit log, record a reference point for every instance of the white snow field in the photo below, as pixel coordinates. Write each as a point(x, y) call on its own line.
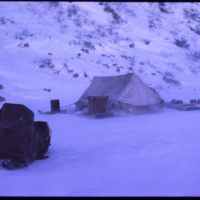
point(62, 46)
point(145, 155)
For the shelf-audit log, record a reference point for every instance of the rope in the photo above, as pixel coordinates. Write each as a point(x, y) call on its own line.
point(69, 108)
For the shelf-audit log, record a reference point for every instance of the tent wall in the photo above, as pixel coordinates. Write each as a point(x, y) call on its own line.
point(137, 93)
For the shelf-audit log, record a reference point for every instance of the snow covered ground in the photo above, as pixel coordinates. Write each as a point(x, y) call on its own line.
point(143, 155)
point(69, 43)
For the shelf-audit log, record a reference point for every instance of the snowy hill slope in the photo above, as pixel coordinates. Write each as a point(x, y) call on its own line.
point(52, 50)
point(75, 41)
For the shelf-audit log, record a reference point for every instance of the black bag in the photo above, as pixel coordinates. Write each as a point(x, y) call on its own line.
point(43, 138)
point(21, 140)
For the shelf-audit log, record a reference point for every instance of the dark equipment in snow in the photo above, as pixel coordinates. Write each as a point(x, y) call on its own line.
point(43, 134)
point(97, 104)
point(21, 139)
point(182, 106)
point(55, 105)
point(174, 101)
point(195, 101)
point(55, 108)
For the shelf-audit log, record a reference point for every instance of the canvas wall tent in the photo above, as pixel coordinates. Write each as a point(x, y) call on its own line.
point(127, 92)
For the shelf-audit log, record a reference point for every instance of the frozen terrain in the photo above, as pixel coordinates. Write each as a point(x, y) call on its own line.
point(53, 50)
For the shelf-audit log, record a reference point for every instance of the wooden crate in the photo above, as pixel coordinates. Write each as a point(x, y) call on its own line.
point(97, 104)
